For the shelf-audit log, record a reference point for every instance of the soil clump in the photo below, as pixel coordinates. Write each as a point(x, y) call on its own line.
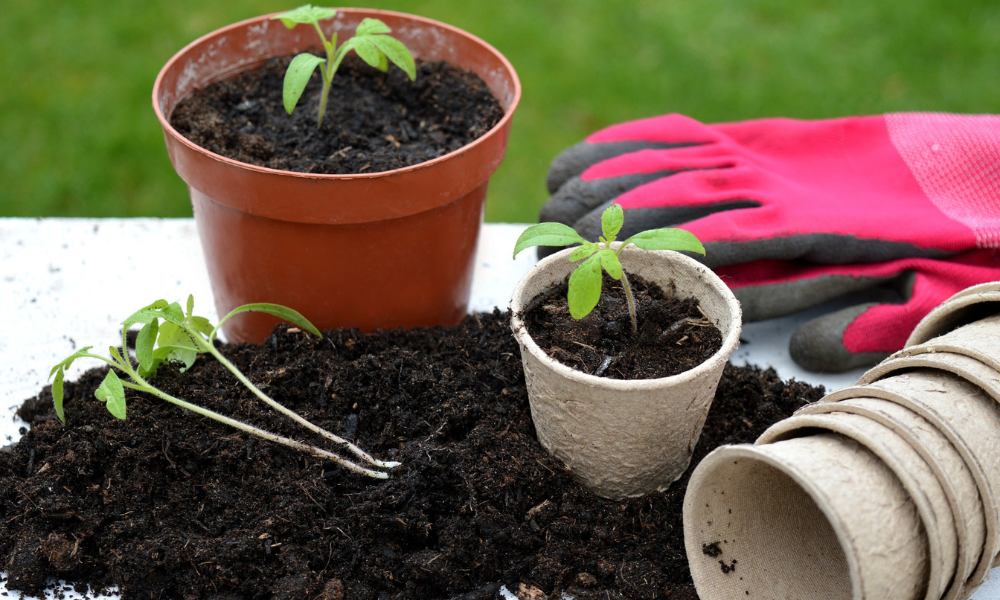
point(374, 121)
point(169, 504)
point(673, 334)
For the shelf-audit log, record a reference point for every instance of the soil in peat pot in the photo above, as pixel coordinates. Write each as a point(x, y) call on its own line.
point(170, 505)
point(673, 334)
point(374, 121)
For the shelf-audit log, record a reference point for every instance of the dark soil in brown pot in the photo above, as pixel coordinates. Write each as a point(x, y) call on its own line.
point(168, 504)
point(374, 121)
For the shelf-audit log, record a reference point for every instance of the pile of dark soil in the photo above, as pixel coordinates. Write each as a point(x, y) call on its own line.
point(374, 121)
point(170, 505)
point(673, 334)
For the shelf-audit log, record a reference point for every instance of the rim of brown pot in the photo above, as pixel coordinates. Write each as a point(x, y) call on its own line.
point(167, 127)
point(729, 342)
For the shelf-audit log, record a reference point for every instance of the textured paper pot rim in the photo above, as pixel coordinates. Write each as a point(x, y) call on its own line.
point(625, 438)
point(979, 340)
point(948, 466)
point(988, 497)
point(918, 479)
point(559, 263)
point(961, 309)
point(789, 515)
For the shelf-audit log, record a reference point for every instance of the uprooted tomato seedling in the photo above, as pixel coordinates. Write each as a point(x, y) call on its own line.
point(181, 337)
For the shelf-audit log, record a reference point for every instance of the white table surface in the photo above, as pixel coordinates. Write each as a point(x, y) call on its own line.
point(68, 283)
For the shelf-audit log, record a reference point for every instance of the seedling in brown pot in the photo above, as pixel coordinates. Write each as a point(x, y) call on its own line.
point(370, 42)
point(586, 280)
point(181, 337)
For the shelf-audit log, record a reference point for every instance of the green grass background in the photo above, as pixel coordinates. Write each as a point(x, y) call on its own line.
point(78, 136)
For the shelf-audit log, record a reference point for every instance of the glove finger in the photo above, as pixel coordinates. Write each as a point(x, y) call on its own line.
point(614, 177)
point(671, 129)
point(771, 289)
point(576, 159)
point(818, 345)
point(576, 197)
point(673, 160)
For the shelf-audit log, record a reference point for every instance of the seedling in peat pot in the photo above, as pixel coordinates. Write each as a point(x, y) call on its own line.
point(586, 281)
point(370, 42)
point(181, 337)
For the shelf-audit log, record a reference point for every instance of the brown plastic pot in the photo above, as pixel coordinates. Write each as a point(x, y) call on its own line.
point(378, 250)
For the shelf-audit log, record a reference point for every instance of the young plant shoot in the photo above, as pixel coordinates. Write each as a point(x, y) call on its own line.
point(370, 42)
point(170, 333)
point(586, 281)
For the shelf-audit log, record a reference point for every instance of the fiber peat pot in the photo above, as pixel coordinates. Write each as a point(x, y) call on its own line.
point(625, 438)
point(362, 250)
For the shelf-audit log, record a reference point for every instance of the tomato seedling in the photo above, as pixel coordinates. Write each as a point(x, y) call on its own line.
point(585, 282)
point(370, 42)
point(170, 333)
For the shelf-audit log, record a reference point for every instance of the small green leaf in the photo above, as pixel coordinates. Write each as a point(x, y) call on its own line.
point(282, 312)
point(369, 26)
point(584, 251)
point(57, 395)
point(112, 392)
point(305, 14)
point(116, 355)
point(190, 306)
point(202, 325)
point(176, 344)
point(383, 62)
point(365, 49)
point(611, 263)
point(145, 314)
point(66, 362)
point(145, 342)
point(666, 239)
point(297, 76)
point(547, 234)
point(585, 287)
point(398, 53)
point(611, 221)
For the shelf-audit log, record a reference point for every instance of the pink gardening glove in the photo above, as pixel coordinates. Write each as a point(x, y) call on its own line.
point(838, 191)
point(903, 292)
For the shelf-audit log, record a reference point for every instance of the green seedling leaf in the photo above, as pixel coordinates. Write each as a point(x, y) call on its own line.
point(57, 395)
point(190, 306)
point(144, 344)
point(173, 313)
point(585, 287)
point(282, 312)
point(145, 314)
point(611, 221)
point(66, 362)
point(306, 14)
point(611, 263)
point(369, 26)
point(366, 49)
point(296, 78)
point(202, 325)
point(112, 393)
point(175, 344)
point(666, 239)
point(398, 53)
point(584, 251)
point(547, 234)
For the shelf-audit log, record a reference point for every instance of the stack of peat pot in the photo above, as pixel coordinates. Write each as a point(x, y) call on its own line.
point(889, 489)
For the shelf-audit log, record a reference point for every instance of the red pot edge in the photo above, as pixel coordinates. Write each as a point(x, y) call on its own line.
point(169, 130)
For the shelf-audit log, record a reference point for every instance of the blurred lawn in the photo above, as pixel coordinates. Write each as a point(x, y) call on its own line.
point(78, 136)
